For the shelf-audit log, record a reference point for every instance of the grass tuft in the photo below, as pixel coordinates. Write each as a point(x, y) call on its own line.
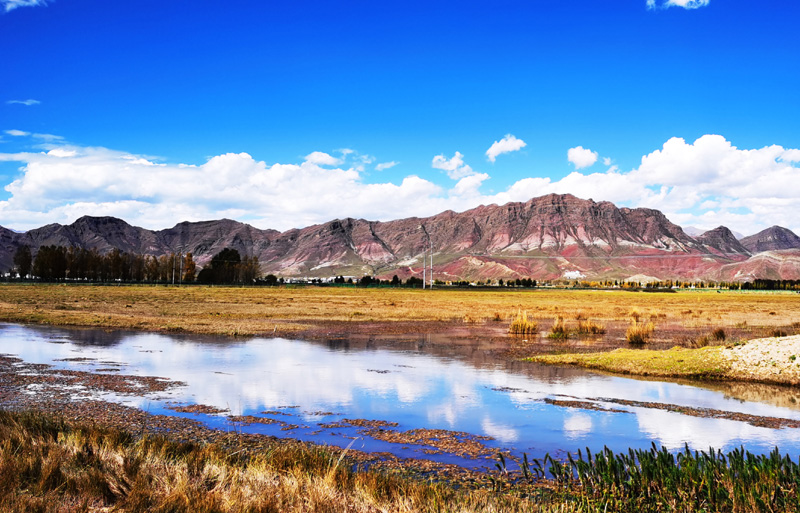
point(522, 325)
point(558, 330)
point(589, 327)
point(639, 332)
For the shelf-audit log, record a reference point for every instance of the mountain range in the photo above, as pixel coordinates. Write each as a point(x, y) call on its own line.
point(548, 237)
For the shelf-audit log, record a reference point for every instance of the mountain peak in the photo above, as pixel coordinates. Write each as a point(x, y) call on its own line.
point(772, 239)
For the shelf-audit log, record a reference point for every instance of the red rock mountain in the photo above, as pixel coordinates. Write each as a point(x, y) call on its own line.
point(544, 238)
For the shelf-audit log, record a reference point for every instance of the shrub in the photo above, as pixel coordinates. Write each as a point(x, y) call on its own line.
point(718, 334)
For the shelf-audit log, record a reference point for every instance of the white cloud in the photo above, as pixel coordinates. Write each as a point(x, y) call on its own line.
point(607, 161)
point(27, 102)
point(383, 166)
point(507, 144)
point(321, 158)
point(455, 167)
point(9, 5)
point(581, 157)
point(44, 137)
point(705, 183)
point(686, 4)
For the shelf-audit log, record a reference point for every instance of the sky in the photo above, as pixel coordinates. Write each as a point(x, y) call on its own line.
point(288, 114)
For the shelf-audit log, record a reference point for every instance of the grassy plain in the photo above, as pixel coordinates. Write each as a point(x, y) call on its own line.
point(267, 310)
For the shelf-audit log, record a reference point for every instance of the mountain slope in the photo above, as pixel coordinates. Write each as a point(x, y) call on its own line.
point(543, 238)
point(775, 238)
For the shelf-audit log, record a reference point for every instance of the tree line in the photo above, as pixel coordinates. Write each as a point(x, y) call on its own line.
point(60, 263)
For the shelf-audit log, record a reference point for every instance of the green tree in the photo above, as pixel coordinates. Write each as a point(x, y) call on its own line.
point(222, 268)
point(23, 260)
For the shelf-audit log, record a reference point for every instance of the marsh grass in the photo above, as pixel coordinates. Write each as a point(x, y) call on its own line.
point(589, 327)
point(559, 329)
point(639, 332)
point(657, 480)
point(522, 325)
point(49, 465)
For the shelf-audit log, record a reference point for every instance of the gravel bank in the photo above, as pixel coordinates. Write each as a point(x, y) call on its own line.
point(775, 360)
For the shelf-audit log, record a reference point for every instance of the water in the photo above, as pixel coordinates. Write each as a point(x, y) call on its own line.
point(305, 384)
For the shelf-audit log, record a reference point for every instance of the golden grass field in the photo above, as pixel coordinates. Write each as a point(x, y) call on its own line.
point(267, 310)
point(686, 318)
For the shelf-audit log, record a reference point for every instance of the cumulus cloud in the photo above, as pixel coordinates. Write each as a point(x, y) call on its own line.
point(9, 5)
point(507, 144)
point(707, 182)
point(385, 165)
point(321, 158)
point(686, 4)
point(455, 167)
point(581, 157)
point(27, 102)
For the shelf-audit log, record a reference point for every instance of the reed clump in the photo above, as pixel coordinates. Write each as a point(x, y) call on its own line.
point(639, 332)
point(522, 325)
point(558, 330)
point(589, 327)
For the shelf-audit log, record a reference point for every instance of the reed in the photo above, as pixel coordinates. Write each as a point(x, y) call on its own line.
point(522, 325)
point(589, 327)
point(558, 330)
point(639, 332)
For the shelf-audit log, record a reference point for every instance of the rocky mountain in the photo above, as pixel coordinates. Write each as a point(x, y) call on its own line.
point(771, 239)
point(544, 238)
point(723, 240)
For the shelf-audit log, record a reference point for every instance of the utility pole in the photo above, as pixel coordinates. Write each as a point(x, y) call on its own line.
point(431, 262)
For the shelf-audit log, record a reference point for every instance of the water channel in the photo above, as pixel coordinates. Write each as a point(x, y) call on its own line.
point(308, 388)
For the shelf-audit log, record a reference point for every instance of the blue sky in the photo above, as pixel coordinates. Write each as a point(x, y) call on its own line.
point(292, 113)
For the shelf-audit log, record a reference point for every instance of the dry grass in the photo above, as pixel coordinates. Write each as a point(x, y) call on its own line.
point(558, 329)
point(253, 311)
point(639, 332)
point(48, 465)
point(522, 325)
point(589, 327)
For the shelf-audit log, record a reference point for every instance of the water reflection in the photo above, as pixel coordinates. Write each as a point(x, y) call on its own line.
point(413, 382)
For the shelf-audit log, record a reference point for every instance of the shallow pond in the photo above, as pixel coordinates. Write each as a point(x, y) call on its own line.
point(305, 390)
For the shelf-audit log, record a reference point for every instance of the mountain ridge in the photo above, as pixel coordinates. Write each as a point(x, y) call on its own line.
point(547, 237)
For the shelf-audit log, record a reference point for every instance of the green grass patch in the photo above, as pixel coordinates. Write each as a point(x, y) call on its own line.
point(676, 362)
